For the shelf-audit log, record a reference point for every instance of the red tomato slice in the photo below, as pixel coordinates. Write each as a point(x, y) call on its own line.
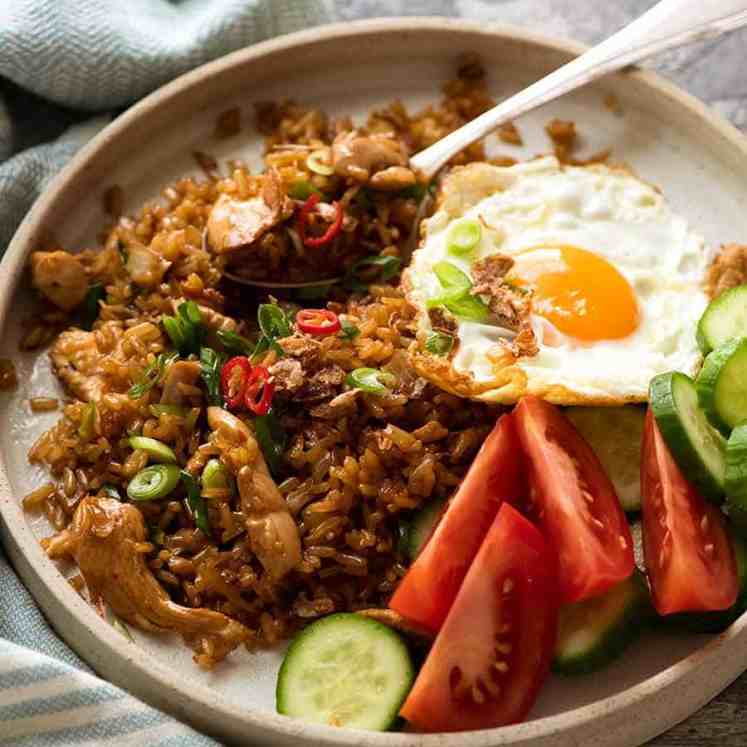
point(494, 649)
point(574, 502)
point(426, 593)
point(689, 558)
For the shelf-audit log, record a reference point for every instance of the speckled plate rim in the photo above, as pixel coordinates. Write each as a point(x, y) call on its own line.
point(619, 719)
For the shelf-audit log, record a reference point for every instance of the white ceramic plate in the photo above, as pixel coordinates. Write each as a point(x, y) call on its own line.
point(666, 136)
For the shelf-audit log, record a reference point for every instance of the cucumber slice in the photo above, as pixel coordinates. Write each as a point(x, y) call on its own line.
point(594, 632)
point(736, 473)
point(345, 670)
point(722, 384)
point(697, 447)
point(615, 435)
point(724, 319)
point(422, 525)
point(716, 622)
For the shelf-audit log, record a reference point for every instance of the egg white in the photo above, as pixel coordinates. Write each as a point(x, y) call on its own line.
point(604, 210)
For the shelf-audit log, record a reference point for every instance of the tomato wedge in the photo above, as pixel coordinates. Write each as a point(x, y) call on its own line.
point(428, 589)
point(574, 503)
point(494, 649)
point(689, 558)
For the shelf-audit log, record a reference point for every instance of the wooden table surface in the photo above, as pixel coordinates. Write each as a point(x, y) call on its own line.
point(713, 71)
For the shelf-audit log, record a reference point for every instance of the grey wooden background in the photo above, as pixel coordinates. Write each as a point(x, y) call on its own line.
point(714, 71)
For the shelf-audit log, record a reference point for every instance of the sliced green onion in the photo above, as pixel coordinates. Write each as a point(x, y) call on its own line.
point(156, 450)
point(439, 343)
point(302, 190)
point(271, 439)
point(370, 380)
point(349, 331)
point(235, 343)
point(158, 410)
point(191, 420)
point(469, 307)
point(455, 282)
point(87, 421)
point(463, 236)
point(186, 330)
point(210, 367)
point(154, 482)
point(174, 330)
point(318, 162)
point(152, 375)
point(273, 322)
point(90, 312)
point(195, 502)
point(215, 475)
point(190, 312)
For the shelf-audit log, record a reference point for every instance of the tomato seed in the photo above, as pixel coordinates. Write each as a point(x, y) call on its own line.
point(508, 586)
point(709, 548)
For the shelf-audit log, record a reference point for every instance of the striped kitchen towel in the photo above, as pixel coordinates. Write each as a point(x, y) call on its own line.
point(60, 62)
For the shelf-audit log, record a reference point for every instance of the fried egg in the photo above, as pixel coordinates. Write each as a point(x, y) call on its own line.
point(612, 282)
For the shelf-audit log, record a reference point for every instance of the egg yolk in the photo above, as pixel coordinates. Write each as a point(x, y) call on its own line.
point(582, 295)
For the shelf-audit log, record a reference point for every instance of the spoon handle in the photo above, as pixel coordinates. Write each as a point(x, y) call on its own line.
point(668, 24)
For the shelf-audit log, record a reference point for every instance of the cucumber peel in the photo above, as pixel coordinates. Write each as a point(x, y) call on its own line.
point(698, 448)
point(724, 319)
point(721, 384)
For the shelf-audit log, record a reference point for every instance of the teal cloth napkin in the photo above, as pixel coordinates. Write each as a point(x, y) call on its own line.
point(62, 61)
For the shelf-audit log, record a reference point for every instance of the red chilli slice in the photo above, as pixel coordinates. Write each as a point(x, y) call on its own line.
point(259, 391)
point(233, 379)
point(318, 321)
point(334, 228)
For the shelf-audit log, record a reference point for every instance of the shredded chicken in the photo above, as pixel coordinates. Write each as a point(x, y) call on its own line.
point(145, 267)
point(338, 407)
point(273, 534)
point(180, 378)
point(104, 540)
point(378, 159)
point(728, 270)
point(288, 375)
point(60, 277)
point(236, 224)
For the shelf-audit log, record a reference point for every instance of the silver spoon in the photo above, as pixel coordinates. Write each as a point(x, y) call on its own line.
point(669, 24)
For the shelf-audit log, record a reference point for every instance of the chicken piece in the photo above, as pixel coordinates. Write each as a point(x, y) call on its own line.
point(103, 540)
point(235, 224)
point(60, 277)
point(145, 267)
point(273, 533)
point(288, 375)
point(91, 364)
point(362, 157)
point(179, 378)
point(728, 270)
point(393, 179)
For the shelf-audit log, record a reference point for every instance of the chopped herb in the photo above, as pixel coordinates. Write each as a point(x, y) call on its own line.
point(456, 296)
point(370, 380)
point(274, 325)
point(196, 502)
point(210, 366)
point(90, 310)
point(439, 343)
point(158, 410)
point(186, 330)
point(152, 375)
point(349, 331)
point(234, 343)
point(110, 491)
point(371, 269)
point(272, 440)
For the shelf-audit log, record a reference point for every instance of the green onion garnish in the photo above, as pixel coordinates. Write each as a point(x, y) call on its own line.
point(235, 343)
point(463, 236)
point(156, 450)
point(318, 162)
point(349, 331)
point(210, 366)
point(454, 282)
point(152, 375)
point(302, 190)
point(274, 325)
point(215, 475)
point(90, 311)
point(439, 343)
point(456, 295)
point(196, 502)
point(271, 439)
point(154, 482)
point(371, 380)
point(469, 307)
point(186, 330)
